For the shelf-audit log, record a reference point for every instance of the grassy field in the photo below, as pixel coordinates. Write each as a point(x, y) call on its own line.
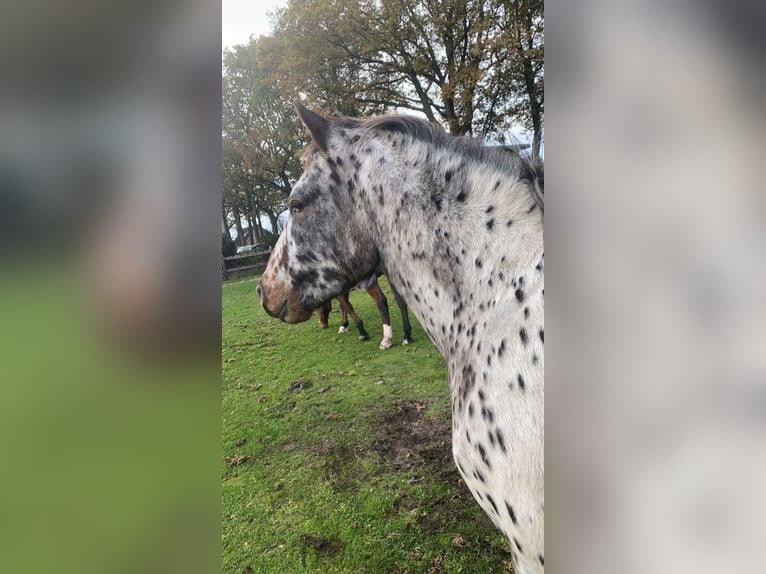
point(336, 455)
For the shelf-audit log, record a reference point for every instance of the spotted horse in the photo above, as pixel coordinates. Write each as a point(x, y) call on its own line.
point(370, 284)
point(458, 228)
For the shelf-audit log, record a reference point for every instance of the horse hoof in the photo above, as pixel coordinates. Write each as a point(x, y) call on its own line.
point(406, 342)
point(363, 337)
point(343, 329)
point(384, 345)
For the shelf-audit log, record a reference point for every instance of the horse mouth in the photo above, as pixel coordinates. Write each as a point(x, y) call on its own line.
point(278, 314)
point(282, 311)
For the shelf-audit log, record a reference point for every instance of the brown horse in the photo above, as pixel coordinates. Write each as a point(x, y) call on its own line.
point(381, 302)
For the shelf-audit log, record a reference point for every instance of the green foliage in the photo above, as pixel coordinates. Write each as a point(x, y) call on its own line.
point(262, 135)
point(228, 247)
point(465, 63)
point(336, 455)
point(269, 239)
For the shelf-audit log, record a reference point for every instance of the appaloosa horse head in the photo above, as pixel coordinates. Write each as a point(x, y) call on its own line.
point(458, 229)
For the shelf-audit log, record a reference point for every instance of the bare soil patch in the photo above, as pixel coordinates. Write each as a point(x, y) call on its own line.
point(408, 439)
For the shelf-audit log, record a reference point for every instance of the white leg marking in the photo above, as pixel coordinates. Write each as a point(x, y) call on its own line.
point(388, 333)
point(343, 329)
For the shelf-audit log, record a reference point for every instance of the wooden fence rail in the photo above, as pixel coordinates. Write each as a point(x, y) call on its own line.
point(231, 270)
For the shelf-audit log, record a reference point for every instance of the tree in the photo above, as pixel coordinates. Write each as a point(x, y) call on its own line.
point(228, 247)
point(457, 62)
point(262, 137)
point(522, 24)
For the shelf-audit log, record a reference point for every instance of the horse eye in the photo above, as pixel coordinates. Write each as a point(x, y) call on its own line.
point(297, 207)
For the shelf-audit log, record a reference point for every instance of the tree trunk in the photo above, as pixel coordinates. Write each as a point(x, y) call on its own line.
point(250, 235)
point(238, 223)
point(259, 227)
point(274, 223)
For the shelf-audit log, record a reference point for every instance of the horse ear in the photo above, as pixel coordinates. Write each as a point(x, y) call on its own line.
point(319, 126)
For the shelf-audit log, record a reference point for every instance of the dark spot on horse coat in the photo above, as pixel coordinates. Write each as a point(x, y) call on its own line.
point(542, 336)
point(448, 176)
point(520, 380)
point(492, 502)
point(520, 296)
point(523, 335)
point(490, 223)
point(518, 546)
point(483, 453)
point(329, 274)
point(436, 198)
point(467, 383)
point(478, 262)
point(511, 513)
point(307, 257)
point(541, 559)
point(305, 276)
point(526, 312)
point(461, 196)
point(500, 440)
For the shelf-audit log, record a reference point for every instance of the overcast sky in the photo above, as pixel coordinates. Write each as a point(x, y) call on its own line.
point(243, 18)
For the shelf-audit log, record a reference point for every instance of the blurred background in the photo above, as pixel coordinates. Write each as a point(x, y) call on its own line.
point(109, 286)
point(656, 310)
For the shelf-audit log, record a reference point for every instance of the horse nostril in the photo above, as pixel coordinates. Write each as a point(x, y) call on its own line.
point(258, 289)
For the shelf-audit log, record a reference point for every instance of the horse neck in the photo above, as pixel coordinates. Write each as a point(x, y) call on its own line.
point(453, 238)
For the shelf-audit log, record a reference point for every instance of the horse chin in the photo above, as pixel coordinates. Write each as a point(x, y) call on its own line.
point(292, 313)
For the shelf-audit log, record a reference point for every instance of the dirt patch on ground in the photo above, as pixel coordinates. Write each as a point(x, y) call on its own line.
point(409, 439)
point(341, 465)
point(300, 385)
point(405, 439)
point(322, 545)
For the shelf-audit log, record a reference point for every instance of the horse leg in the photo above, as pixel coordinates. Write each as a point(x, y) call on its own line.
point(382, 304)
point(324, 314)
point(344, 315)
point(405, 315)
point(346, 307)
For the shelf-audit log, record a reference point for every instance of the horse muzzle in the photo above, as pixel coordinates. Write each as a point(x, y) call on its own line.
point(284, 306)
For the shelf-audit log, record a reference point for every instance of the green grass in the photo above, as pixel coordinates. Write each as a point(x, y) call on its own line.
point(336, 455)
